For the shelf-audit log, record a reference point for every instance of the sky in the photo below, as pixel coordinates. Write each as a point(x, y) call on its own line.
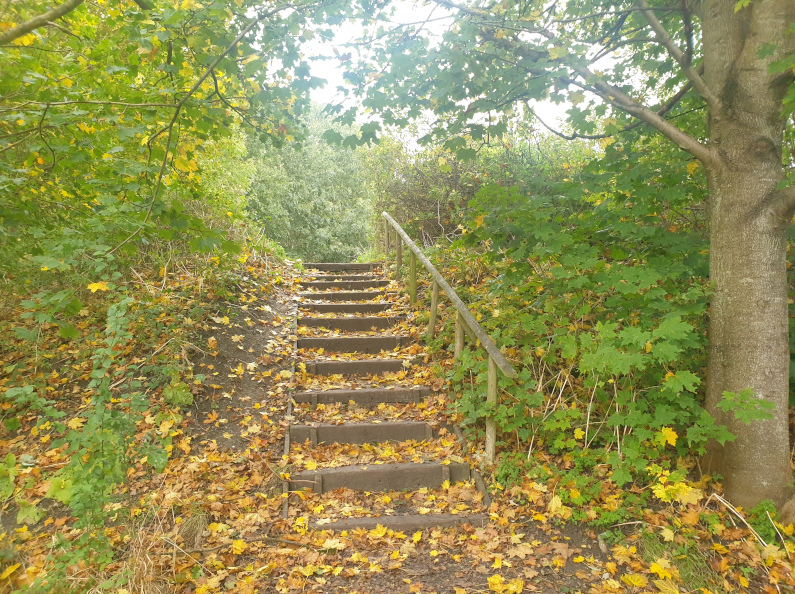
point(408, 11)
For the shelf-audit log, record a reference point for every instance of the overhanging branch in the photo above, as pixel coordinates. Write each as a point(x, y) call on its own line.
point(39, 21)
point(681, 58)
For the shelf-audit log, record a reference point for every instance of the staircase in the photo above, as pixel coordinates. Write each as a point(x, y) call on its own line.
point(368, 445)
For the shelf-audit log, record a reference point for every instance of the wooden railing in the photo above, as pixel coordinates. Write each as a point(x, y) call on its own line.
point(465, 323)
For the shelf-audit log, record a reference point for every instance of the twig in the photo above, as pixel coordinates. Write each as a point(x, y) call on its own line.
point(783, 542)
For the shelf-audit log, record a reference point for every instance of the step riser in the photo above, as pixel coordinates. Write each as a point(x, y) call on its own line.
point(350, 308)
point(404, 524)
point(372, 397)
point(358, 433)
point(342, 266)
point(343, 277)
point(342, 296)
point(355, 344)
point(352, 285)
point(381, 477)
point(371, 367)
point(349, 324)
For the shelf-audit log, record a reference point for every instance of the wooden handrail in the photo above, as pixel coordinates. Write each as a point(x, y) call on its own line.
point(460, 306)
point(465, 322)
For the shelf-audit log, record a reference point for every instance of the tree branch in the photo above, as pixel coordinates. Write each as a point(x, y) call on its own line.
point(178, 108)
point(681, 58)
point(39, 21)
point(661, 112)
point(618, 98)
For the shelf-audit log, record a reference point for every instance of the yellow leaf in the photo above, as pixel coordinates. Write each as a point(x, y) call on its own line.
point(667, 534)
point(579, 433)
point(100, 286)
point(667, 435)
point(648, 347)
point(497, 563)
point(76, 423)
point(479, 220)
point(106, 156)
point(66, 82)
point(25, 40)
point(238, 547)
point(20, 122)
point(667, 586)
point(9, 571)
point(457, 590)
point(417, 536)
point(689, 495)
point(379, 531)
point(212, 342)
point(660, 567)
point(692, 166)
point(634, 579)
point(496, 583)
point(554, 504)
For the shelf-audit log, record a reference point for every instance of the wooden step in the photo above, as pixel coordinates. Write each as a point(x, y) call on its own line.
point(403, 476)
point(343, 266)
point(364, 308)
point(342, 295)
point(355, 344)
point(404, 524)
point(348, 284)
point(365, 397)
point(362, 367)
point(358, 433)
point(342, 277)
point(349, 324)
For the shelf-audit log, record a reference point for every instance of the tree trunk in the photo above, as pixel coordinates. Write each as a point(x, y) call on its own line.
point(749, 325)
point(749, 338)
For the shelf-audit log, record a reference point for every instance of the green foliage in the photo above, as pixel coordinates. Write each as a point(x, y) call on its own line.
point(746, 407)
point(605, 291)
point(761, 517)
point(313, 198)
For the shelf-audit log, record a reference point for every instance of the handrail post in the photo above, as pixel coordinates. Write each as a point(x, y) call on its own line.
point(491, 423)
point(413, 278)
point(386, 237)
point(398, 258)
point(434, 308)
point(459, 337)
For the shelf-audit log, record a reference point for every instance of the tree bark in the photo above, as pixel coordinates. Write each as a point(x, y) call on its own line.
point(749, 324)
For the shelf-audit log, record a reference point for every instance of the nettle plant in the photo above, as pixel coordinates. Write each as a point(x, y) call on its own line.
point(602, 303)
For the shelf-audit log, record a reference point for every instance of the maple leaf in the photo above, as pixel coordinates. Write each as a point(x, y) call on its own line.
point(635, 580)
point(212, 342)
point(100, 286)
point(666, 586)
point(667, 534)
point(238, 547)
point(76, 423)
point(667, 435)
point(660, 567)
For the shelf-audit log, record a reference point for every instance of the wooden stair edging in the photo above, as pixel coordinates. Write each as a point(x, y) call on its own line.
point(358, 367)
point(343, 266)
point(342, 277)
point(344, 307)
point(355, 344)
point(396, 476)
point(409, 523)
point(351, 324)
point(351, 285)
point(365, 396)
point(342, 295)
point(360, 433)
